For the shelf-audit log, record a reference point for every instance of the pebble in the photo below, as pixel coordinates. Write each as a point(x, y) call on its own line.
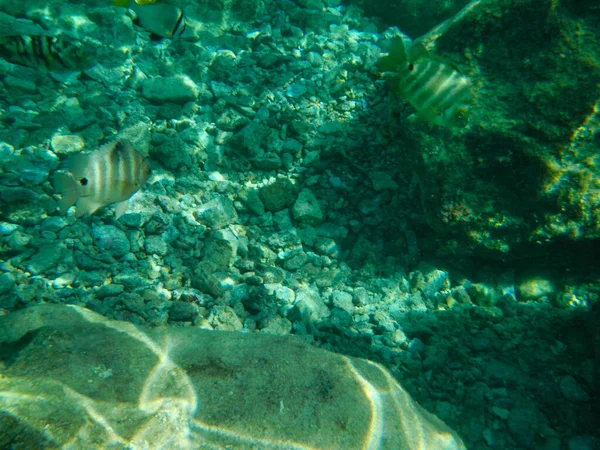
point(20, 195)
point(416, 346)
point(268, 161)
point(111, 240)
point(179, 89)
point(7, 282)
point(250, 138)
point(90, 279)
point(572, 390)
point(276, 325)
point(583, 443)
point(534, 288)
point(434, 281)
point(309, 306)
point(132, 220)
point(307, 209)
point(46, 258)
point(19, 83)
point(54, 224)
point(231, 120)
point(251, 200)
point(382, 181)
point(523, 426)
point(278, 195)
point(183, 311)
point(156, 245)
point(217, 213)
point(63, 281)
point(283, 294)
point(110, 290)
point(223, 317)
point(296, 262)
point(6, 153)
point(342, 300)
point(219, 252)
point(7, 228)
point(18, 241)
point(67, 144)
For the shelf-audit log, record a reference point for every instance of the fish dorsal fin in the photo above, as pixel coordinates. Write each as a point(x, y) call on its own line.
point(417, 50)
point(106, 148)
point(395, 58)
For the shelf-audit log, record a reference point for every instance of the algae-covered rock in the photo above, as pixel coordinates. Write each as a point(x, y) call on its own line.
point(521, 182)
point(71, 377)
point(278, 195)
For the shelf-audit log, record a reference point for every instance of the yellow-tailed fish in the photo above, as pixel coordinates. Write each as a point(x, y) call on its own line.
point(56, 53)
point(111, 174)
point(433, 86)
point(159, 19)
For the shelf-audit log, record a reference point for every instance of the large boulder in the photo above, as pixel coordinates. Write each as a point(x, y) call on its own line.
point(71, 378)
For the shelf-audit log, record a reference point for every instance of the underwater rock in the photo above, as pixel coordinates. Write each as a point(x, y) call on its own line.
point(572, 390)
point(156, 245)
point(231, 120)
point(183, 311)
point(111, 240)
point(534, 288)
point(18, 83)
point(46, 258)
point(170, 89)
point(251, 200)
point(249, 139)
point(217, 213)
point(342, 300)
point(7, 282)
point(183, 387)
point(307, 209)
point(278, 195)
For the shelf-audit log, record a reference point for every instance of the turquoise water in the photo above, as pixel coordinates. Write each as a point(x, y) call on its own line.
point(307, 178)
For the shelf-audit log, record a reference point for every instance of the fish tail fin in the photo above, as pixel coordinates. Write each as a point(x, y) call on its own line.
point(395, 57)
point(68, 188)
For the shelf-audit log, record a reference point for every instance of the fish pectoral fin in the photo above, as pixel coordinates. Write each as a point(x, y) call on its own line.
point(69, 189)
point(86, 205)
point(120, 208)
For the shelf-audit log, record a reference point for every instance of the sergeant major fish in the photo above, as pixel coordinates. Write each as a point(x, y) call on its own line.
point(434, 87)
point(56, 53)
point(160, 19)
point(112, 174)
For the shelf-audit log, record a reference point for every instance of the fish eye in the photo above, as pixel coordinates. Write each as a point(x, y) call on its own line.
point(83, 181)
point(411, 66)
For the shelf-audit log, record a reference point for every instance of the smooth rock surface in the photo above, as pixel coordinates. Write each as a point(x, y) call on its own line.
point(70, 377)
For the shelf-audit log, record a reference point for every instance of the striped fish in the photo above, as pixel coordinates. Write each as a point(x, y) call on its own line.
point(160, 19)
point(111, 174)
point(56, 53)
point(434, 87)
